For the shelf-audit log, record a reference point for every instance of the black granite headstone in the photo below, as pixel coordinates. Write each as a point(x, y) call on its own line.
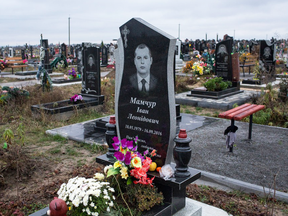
point(223, 60)
point(47, 66)
point(78, 52)
point(267, 57)
point(23, 53)
point(72, 50)
point(31, 51)
point(104, 52)
point(64, 49)
point(147, 112)
point(91, 70)
point(198, 45)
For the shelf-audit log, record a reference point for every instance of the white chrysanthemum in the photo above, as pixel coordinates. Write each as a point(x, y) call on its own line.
point(111, 189)
point(105, 192)
point(97, 192)
point(85, 200)
point(88, 211)
point(106, 197)
point(76, 202)
point(111, 204)
point(92, 204)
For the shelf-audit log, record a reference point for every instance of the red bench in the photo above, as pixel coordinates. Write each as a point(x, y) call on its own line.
point(241, 112)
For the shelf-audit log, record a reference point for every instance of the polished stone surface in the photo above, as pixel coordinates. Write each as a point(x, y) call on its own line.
point(91, 82)
point(85, 132)
point(223, 59)
point(223, 103)
point(147, 112)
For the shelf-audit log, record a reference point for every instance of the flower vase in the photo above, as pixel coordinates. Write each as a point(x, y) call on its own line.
point(110, 133)
point(182, 154)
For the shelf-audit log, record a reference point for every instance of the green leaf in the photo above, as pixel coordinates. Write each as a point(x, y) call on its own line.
point(112, 171)
point(5, 146)
point(129, 181)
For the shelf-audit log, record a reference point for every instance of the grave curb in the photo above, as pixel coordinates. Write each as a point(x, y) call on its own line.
point(242, 186)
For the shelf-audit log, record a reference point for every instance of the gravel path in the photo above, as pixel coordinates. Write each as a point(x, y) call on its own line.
point(255, 161)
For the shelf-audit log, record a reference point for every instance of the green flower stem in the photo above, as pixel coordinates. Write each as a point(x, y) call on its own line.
point(122, 196)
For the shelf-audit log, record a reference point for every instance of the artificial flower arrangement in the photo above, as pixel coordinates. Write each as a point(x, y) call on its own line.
point(3, 64)
point(12, 93)
point(130, 163)
point(129, 175)
point(76, 98)
point(90, 196)
point(123, 189)
point(73, 75)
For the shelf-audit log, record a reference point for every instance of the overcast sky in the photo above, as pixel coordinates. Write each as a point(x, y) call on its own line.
point(93, 20)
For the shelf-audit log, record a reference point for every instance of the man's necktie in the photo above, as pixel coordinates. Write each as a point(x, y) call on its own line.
point(143, 81)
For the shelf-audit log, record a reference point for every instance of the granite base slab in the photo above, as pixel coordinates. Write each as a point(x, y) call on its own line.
point(215, 94)
point(223, 103)
point(60, 81)
point(91, 133)
point(26, 73)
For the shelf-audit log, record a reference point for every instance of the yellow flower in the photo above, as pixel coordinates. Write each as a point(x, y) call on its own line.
point(136, 162)
point(117, 164)
point(124, 173)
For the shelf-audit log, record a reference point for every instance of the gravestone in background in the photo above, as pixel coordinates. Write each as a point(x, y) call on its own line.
point(91, 80)
point(198, 45)
point(267, 59)
point(64, 50)
point(178, 61)
point(223, 59)
point(149, 115)
point(72, 50)
point(78, 52)
point(11, 52)
point(22, 53)
point(104, 53)
point(47, 66)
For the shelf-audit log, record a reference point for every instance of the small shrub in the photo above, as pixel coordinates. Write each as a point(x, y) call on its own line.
point(217, 84)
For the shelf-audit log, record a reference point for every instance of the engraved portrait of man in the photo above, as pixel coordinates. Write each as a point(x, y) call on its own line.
point(267, 52)
point(143, 80)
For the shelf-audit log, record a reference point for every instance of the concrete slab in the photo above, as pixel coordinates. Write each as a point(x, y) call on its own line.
point(191, 209)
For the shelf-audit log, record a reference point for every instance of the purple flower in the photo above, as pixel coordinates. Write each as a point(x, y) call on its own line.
point(127, 159)
point(130, 145)
point(146, 152)
point(135, 148)
point(119, 156)
point(124, 143)
point(116, 140)
point(115, 146)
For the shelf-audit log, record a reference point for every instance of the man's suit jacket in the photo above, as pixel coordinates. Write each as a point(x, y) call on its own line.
point(152, 84)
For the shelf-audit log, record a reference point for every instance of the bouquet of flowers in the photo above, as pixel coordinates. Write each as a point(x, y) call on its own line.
point(3, 64)
point(87, 196)
point(130, 163)
point(9, 93)
point(76, 98)
point(73, 75)
point(197, 69)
